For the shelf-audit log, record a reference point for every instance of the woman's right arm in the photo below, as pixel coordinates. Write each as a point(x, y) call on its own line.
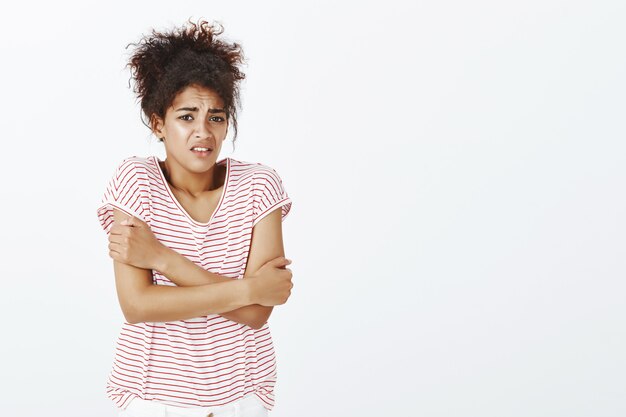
point(141, 301)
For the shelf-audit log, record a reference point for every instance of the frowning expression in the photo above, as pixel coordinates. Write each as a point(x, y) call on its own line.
point(194, 128)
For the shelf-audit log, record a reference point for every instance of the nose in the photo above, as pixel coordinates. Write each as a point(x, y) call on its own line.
point(203, 130)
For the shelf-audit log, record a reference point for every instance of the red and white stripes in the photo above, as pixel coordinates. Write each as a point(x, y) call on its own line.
point(209, 360)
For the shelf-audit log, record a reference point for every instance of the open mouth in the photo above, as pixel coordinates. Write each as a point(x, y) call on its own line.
point(200, 151)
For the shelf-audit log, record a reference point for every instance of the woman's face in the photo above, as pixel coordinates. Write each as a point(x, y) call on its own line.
point(196, 119)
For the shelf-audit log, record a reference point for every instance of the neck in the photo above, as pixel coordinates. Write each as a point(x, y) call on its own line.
point(192, 183)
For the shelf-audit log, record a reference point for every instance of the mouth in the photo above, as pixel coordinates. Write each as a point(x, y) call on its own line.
point(200, 151)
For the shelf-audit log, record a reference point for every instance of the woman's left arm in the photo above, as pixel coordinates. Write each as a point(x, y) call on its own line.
point(139, 247)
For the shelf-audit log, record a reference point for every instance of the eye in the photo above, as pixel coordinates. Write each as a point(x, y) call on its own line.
point(216, 119)
point(186, 115)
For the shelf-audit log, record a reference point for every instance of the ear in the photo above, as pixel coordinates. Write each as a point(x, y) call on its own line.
point(157, 125)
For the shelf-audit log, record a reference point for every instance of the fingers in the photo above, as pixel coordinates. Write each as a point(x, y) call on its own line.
point(128, 222)
point(290, 276)
point(133, 221)
point(113, 254)
point(119, 239)
point(278, 262)
point(121, 228)
point(119, 243)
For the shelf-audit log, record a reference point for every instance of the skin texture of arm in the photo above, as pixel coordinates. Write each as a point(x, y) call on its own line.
point(266, 244)
point(209, 293)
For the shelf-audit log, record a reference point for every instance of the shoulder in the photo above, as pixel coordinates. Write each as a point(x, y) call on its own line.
point(135, 163)
point(128, 190)
point(133, 175)
point(142, 170)
point(263, 178)
point(265, 187)
point(256, 171)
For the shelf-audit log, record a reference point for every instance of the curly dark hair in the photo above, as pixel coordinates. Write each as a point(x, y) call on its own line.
point(165, 63)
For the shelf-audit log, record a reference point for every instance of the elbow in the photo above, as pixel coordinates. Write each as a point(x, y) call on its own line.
point(257, 324)
point(133, 313)
point(260, 317)
point(131, 317)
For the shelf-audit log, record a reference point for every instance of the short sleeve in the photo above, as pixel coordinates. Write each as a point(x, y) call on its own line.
point(128, 190)
point(269, 194)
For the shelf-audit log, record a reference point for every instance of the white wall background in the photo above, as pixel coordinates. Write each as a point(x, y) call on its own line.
point(457, 170)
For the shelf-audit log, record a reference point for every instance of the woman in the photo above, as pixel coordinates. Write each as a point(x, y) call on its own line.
point(196, 242)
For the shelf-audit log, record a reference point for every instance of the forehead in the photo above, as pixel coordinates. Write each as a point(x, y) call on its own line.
point(199, 96)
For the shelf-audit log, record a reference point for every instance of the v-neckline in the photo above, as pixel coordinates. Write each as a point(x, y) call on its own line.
point(156, 161)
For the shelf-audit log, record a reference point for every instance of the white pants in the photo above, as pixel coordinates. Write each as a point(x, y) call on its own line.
point(249, 406)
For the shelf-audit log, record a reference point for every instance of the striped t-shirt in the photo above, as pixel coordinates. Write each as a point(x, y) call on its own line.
point(204, 361)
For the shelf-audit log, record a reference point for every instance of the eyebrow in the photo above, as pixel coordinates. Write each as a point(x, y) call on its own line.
point(196, 109)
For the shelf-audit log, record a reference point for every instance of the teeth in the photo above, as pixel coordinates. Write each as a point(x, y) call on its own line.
point(200, 149)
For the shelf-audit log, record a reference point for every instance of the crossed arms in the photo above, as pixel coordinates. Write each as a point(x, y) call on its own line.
point(135, 252)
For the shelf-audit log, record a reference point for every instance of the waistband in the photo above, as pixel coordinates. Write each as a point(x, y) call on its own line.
point(146, 408)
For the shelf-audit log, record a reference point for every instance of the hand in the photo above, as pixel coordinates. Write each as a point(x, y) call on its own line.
point(132, 242)
point(271, 285)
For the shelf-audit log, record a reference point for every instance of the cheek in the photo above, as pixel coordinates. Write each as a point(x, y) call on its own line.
point(222, 131)
point(178, 129)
